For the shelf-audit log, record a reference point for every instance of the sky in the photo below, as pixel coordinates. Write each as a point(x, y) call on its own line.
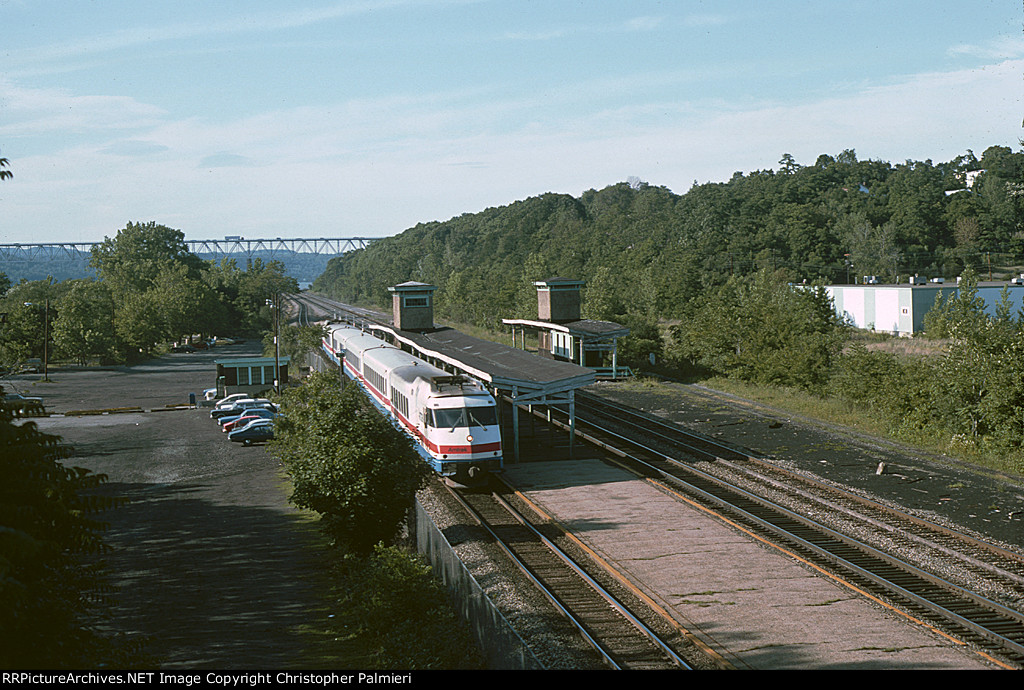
point(362, 118)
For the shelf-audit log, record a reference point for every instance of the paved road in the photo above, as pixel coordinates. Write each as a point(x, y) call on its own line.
point(215, 568)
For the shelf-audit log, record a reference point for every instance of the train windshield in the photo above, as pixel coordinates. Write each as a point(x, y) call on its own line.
point(455, 417)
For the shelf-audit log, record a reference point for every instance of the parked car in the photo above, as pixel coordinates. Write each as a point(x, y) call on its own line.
point(240, 407)
point(30, 366)
point(19, 404)
point(257, 431)
point(237, 422)
point(183, 348)
point(231, 400)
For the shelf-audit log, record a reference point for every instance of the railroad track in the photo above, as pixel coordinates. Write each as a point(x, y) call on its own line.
point(975, 597)
point(618, 635)
point(750, 492)
point(313, 308)
point(999, 570)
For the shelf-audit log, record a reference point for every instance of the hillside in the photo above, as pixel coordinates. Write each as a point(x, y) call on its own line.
point(646, 251)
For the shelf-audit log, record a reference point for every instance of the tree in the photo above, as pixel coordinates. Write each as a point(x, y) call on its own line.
point(186, 303)
point(84, 326)
point(139, 324)
point(788, 164)
point(347, 462)
point(763, 330)
point(48, 526)
point(873, 250)
point(30, 309)
point(244, 294)
point(5, 174)
point(135, 257)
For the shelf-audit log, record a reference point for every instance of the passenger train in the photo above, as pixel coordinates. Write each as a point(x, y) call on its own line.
point(452, 419)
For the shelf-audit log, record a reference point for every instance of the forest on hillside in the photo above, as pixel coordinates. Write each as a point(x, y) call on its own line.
point(703, 279)
point(645, 250)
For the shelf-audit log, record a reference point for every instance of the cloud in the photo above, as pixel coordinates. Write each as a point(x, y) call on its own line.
point(135, 147)
point(226, 160)
point(1002, 48)
point(643, 23)
point(371, 167)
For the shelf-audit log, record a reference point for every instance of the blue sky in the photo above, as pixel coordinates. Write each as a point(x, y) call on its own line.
point(363, 118)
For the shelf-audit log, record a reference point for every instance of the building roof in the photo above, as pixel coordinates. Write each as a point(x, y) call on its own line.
point(412, 285)
point(252, 361)
point(586, 328)
point(566, 282)
point(499, 365)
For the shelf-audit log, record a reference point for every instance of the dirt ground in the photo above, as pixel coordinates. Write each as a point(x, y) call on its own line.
point(214, 568)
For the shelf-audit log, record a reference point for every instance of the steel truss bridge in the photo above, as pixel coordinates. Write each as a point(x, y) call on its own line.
point(264, 248)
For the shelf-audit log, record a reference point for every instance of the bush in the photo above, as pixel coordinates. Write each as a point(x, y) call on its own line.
point(396, 615)
point(347, 462)
point(48, 530)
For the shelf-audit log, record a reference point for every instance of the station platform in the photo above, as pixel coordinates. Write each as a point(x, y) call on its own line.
point(756, 607)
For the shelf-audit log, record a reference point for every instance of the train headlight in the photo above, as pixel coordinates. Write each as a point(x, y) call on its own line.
point(469, 439)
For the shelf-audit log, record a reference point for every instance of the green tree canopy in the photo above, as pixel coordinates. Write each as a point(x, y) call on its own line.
point(347, 462)
point(133, 259)
point(49, 521)
point(84, 327)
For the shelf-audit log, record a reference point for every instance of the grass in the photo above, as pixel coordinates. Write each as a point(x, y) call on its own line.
point(387, 611)
point(842, 413)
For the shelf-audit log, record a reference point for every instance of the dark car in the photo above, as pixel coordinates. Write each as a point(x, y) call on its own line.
point(257, 431)
point(183, 348)
point(19, 404)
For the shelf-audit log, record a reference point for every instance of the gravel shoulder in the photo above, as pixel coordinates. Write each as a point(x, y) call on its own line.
point(934, 487)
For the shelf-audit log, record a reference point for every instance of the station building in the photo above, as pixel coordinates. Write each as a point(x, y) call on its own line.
point(563, 335)
point(252, 375)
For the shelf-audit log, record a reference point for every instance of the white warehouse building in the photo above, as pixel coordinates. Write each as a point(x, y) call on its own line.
point(900, 309)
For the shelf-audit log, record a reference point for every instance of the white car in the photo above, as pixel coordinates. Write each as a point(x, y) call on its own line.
point(231, 400)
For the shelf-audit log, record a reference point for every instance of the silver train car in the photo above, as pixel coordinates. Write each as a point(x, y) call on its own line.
point(452, 419)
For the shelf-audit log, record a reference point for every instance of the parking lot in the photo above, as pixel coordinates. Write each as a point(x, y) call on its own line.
point(215, 568)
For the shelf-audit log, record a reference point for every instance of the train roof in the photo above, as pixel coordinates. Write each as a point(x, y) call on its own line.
point(441, 382)
point(521, 373)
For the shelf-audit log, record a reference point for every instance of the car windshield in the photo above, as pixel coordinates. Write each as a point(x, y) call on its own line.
point(455, 417)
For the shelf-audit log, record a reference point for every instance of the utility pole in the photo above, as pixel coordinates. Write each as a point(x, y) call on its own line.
point(277, 343)
point(46, 340)
point(275, 306)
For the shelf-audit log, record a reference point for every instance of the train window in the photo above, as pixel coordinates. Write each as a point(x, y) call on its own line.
point(455, 417)
point(449, 418)
point(482, 416)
